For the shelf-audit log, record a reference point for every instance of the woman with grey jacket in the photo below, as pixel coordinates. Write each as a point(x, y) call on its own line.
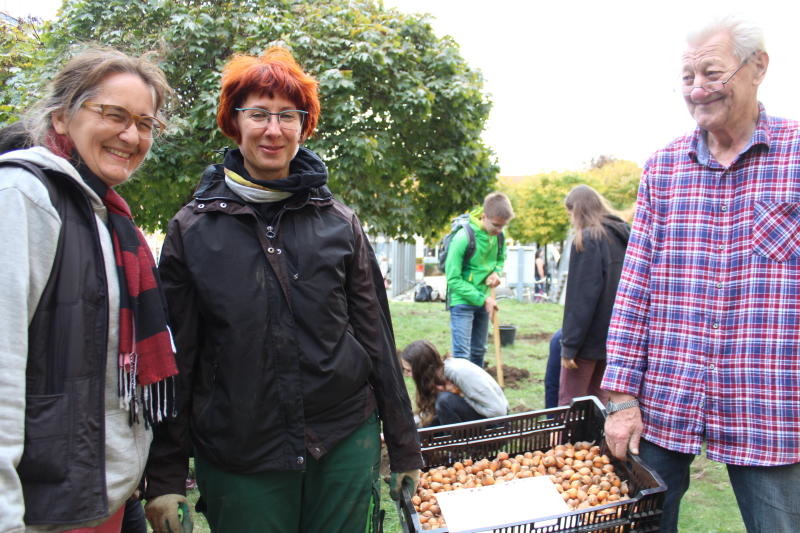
point(84, 348)
point(450, 390)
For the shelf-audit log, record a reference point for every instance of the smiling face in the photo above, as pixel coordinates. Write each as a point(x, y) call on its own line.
point(267, 149)
point(736, 104)
point(111, 152)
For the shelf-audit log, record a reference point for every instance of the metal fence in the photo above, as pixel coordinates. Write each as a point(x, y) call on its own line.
point(398, 263)
point(522, 279)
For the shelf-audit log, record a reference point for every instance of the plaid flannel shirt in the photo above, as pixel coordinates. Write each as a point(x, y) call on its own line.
point(706, 325)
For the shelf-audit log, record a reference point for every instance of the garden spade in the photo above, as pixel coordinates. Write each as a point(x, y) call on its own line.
point(496, 334)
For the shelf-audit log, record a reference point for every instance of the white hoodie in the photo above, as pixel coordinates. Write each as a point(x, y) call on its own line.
point(480, 389)
point(29, 227)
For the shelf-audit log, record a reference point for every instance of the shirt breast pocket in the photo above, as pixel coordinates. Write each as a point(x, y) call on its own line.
point(776, 230)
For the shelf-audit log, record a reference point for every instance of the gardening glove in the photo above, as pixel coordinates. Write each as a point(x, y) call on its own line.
point(163, 514)
point(398, 479)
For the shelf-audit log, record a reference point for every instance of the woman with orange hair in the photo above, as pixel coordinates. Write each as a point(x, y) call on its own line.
point(284, 340)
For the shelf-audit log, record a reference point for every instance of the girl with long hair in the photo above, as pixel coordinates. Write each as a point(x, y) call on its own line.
point(595, 264)
point(450, 390)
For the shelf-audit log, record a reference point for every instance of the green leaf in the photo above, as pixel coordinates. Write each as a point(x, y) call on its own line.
point(402, 112)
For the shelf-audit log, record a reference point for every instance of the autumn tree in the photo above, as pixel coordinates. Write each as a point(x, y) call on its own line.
point(402, 113)
point(616, 179)
point(19, 42)
point(539, 207)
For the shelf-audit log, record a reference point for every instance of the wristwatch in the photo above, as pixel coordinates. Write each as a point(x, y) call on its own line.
point(612, 407)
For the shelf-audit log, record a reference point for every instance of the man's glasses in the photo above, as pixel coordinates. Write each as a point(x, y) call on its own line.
point(289, 120)
point(717, 85)
point(147, 126)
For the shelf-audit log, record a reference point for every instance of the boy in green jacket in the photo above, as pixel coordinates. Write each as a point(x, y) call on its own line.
point(469, 282)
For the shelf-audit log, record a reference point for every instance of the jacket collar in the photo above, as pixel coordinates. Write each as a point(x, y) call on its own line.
point(306, 181)
point(214, 194)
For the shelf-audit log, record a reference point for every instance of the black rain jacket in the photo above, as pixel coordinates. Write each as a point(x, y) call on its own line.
point(283, 333)
point(592, 282)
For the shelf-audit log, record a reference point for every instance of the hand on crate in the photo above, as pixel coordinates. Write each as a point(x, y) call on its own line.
point(398, 479)
point(623, 428)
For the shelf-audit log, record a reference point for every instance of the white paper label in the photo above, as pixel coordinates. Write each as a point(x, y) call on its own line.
point(482, 508)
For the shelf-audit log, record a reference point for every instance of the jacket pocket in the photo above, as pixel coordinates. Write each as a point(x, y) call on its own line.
point(44, 458)
point(776, 230)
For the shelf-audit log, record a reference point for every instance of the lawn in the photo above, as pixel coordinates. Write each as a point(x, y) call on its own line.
point(709, 506)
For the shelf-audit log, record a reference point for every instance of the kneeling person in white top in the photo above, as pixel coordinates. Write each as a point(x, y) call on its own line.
point(450, 390)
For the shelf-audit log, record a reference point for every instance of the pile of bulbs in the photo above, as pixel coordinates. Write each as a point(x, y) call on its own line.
point(582, 475)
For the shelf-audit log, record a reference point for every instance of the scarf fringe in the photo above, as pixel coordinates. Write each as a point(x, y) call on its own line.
point(154, 402)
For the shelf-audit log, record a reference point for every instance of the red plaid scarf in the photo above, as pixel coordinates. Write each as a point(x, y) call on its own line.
point(146, 353)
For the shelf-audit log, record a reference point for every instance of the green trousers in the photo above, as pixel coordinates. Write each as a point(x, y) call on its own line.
point(338, 493)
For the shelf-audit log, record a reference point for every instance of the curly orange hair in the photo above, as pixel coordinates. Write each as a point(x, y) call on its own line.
point(273, 72)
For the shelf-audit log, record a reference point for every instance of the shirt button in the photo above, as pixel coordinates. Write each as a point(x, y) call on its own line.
point(300, 460)
point(724, 207)
point(719, 285)
point(715, 325)
point(711, 366)
point(720, 247)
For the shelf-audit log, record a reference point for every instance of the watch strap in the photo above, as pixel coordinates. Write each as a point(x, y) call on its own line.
point(612, 407)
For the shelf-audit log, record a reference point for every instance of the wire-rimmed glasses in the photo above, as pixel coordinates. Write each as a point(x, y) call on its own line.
point(288, 120)
point(716, 85)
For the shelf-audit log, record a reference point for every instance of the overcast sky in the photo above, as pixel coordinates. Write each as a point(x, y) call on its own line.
point(572, 80)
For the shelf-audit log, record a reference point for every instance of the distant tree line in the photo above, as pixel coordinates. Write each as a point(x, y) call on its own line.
point(539, 200)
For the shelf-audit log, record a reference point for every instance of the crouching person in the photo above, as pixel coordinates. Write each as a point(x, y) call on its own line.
point(452, 390)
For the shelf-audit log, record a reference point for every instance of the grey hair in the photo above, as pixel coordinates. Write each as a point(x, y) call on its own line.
point(78, 82)
point(746, 36)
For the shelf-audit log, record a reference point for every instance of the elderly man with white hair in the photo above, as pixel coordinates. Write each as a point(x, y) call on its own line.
point(704, 343)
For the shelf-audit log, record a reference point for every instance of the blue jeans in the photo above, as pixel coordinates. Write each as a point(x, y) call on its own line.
point(768, 497)
point(469, 325)
point(133, 520)
point(552, 374)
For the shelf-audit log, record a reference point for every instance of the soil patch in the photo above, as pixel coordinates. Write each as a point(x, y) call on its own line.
point(536, 337)
point(519, 408)
point(513, 377)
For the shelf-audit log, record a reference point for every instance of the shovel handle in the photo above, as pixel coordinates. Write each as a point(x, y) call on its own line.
point(496, 334)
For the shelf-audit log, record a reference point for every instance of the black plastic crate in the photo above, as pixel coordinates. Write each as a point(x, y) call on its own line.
point(583, 420)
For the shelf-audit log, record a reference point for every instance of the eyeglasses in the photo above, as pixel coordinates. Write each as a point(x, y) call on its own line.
point(147, 126)
point(717, 85)
point(288, 120)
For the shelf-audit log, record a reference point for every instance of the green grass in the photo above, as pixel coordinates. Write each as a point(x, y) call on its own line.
point(708, 507)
